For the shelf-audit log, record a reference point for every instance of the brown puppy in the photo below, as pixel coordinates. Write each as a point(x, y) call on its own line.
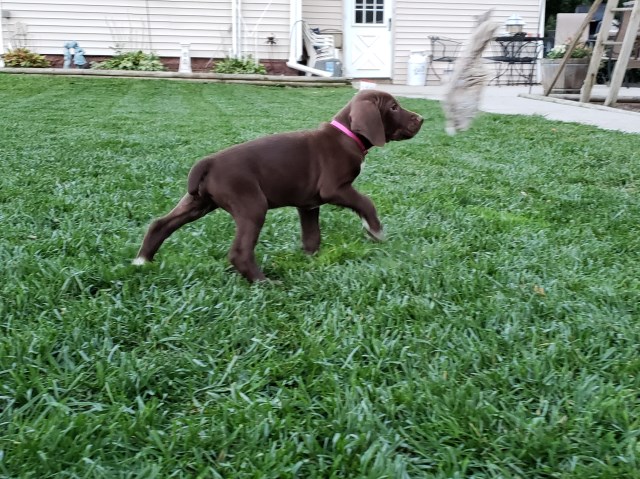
point(304, 169)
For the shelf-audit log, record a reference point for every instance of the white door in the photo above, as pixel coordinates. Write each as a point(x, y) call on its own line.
point(367, 43)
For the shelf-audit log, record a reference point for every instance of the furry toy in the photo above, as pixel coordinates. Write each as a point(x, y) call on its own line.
point(462, 99)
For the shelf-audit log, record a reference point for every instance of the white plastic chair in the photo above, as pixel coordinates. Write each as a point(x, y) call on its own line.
point(319, 47)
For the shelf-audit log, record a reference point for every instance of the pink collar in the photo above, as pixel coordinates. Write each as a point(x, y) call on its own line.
point(350, 134)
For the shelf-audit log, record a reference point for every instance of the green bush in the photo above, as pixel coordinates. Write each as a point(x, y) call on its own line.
point(139, 61)
point(24, 58)
point(239, 65)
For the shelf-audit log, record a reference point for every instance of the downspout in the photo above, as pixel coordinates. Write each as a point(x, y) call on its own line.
point(235, 13)
point(240, 39)
point(541, 27)
point(1, 36)
point(295, 40)
point(295, 29)
point(543, 11)
point(148, 14)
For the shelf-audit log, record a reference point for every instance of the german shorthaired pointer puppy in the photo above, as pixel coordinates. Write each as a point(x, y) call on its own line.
point(304, 169)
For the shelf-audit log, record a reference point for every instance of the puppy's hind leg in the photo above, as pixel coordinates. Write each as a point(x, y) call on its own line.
point(249, 222)
point(188, 209)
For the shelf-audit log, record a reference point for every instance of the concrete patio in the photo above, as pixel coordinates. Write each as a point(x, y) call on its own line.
point(522, 100)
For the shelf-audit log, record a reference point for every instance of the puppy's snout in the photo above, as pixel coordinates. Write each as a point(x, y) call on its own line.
point(408, 125)
point(413, 117)
point(416, 122)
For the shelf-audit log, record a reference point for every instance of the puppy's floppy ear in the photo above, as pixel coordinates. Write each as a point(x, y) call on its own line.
point(366, 119)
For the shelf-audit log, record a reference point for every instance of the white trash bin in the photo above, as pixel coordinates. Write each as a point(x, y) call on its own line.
point(417, 72)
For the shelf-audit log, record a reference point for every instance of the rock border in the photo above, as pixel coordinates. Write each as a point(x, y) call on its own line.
point(272, 80)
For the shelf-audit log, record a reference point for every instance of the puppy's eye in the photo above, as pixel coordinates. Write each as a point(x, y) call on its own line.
point(394, 107)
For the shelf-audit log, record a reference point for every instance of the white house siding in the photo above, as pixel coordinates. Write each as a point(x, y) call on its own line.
point(326, 15)
point(262, 19)
point(103, 26)
point(416, 20)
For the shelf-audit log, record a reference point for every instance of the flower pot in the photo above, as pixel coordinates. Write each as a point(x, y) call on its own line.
point(571, 78)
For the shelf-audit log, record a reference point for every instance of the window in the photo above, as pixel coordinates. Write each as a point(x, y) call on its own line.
point(369, 11)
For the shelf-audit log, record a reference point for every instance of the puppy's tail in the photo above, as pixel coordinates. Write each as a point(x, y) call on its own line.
point(197, 173)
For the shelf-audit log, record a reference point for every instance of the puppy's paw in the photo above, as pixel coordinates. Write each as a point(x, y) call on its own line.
point(310, 251)
point(139, 261)
point(376, 235)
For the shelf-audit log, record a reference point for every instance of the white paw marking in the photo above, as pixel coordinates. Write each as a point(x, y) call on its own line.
point(139, 261)
point(379, 235)
point(450, 130)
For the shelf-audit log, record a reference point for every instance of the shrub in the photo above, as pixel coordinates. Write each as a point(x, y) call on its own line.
point(24, 58)
point(139, 61)
point(239, 65)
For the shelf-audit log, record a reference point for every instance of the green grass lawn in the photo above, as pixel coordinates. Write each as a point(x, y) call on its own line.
point(495, 334)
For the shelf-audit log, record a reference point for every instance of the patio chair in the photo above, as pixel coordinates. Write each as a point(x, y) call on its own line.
point(319, 47)
point(444, 50)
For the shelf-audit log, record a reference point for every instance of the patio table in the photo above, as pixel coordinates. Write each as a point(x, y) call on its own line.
point(515, 57)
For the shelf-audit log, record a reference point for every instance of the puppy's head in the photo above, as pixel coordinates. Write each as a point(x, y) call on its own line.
point(377, 116)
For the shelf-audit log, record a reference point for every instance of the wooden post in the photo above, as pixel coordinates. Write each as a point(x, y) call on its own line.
point(1, 37)
point(598, 51)
point(576, 39)
point(623, 57)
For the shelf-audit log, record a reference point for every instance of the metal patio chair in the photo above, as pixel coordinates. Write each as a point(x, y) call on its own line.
point(443, 50)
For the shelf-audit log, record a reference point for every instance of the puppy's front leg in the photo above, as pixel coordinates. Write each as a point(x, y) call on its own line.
point(309, 221)
point(348, 197)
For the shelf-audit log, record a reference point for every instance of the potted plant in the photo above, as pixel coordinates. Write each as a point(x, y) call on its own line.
point(575, 70)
